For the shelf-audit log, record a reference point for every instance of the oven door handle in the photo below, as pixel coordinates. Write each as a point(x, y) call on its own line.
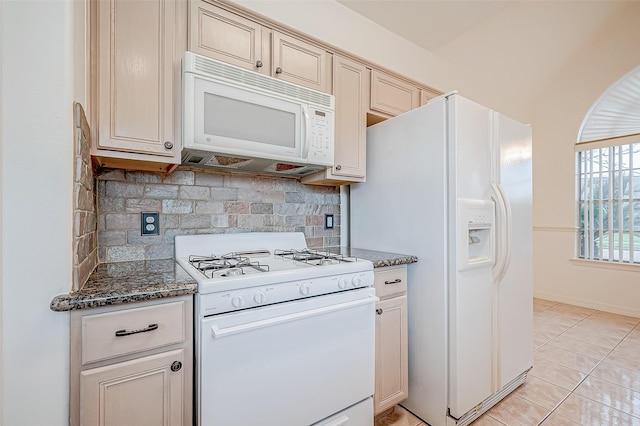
point(342, 420)
point(243, 328)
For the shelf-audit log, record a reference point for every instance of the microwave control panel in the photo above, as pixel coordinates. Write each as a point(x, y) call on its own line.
point(321, 143)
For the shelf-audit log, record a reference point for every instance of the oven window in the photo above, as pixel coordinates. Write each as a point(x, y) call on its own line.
point(236, 119)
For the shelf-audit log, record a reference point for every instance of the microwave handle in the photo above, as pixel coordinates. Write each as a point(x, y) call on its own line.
point(306, 132)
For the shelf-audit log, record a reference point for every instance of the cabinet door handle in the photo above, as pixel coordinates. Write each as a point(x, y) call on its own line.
point(278, 70)
point(168, 145)
point(124, 332)
point(396, 281)
point(176, 366)
point(338, 167)
point(379, 311)
point(259, 64)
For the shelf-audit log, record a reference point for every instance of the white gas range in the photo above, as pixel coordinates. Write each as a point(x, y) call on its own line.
point(284, 334)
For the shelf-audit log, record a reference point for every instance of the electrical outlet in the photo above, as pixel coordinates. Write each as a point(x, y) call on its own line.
point(149, 223)
point(328, 221)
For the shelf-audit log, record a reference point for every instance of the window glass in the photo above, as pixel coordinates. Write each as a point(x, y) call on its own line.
point(609, 203)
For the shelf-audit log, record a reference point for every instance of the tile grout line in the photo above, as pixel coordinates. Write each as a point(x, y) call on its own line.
point(590, 371)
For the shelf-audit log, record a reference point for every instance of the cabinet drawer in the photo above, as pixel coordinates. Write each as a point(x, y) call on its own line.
point(390, 280)
point(165, 324)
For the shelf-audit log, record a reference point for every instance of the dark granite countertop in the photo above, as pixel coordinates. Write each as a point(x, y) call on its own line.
point(127, 282)
point(380, 259)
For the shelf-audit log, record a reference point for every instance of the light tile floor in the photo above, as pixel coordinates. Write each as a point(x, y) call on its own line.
point(586, 371)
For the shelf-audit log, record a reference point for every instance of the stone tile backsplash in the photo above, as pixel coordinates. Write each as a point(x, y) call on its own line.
point(85, 253)
point(193, 202)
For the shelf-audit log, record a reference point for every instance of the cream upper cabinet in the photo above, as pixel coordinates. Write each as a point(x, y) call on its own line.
point(229, 37)
point(133, 362)
point(391, 95)
point(137, 89)
point(301, 63)
point(427, 94)
point(392, 373)
point(351, 91)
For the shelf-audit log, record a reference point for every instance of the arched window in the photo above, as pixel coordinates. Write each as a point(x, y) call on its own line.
point(608, 175)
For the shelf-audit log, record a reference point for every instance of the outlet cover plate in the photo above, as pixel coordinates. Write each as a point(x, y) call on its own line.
point(149, 223)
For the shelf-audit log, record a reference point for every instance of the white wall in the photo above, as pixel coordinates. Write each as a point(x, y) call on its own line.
point(359, 36)
point(558, 112)
point(38, 39)
point(554, 104)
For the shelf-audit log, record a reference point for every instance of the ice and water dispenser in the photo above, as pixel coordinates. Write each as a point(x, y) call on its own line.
point(476, 219)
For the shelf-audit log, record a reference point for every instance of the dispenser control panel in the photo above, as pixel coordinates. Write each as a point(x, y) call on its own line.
point(475, 232)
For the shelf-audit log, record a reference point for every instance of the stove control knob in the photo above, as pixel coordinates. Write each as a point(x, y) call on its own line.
point(342, 283)
point(356, 281)
point(237, 301)
point(304, 289)
point(259, 297)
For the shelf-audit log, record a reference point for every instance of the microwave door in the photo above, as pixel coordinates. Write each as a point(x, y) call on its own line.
point(238, 121)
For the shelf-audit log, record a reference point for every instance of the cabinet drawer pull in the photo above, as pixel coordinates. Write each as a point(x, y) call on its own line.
point(124, 332)
point(379, 311)
point(396, 281)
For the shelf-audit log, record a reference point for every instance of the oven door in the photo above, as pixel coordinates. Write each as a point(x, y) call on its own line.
point(293, 363)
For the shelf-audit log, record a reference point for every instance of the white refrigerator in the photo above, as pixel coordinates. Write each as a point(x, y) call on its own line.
point(450, 182)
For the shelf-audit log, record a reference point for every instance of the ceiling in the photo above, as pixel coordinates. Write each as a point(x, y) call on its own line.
point(429, 24)
point(514, 46)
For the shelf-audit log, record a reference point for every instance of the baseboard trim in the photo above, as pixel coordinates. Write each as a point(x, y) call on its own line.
point(588, 304)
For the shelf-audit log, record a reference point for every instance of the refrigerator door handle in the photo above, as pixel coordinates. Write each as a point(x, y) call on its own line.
point(503, 229)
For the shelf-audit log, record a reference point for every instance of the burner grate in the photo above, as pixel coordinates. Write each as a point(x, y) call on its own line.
point(314, 257)
point(232, 264)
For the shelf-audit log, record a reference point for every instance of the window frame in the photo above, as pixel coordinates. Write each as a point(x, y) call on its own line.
point(585, 249)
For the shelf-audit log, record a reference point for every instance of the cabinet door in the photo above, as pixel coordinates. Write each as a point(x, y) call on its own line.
point(351, 91)
point(301, 63)
point(135, 76)
point(350, 86)
point(427, 94)
point(391, 95)
point(144, 391)
point(391, 353)
point(222, 35)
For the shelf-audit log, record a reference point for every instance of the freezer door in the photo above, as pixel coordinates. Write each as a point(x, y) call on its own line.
point(470, 281)
point(514, 290)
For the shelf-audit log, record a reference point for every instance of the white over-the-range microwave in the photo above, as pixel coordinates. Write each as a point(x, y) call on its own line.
point(237, 119)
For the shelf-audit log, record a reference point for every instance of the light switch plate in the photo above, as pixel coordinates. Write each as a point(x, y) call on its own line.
point(328, 221)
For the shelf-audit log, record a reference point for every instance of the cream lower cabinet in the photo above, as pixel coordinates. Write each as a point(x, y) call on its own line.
point(133, 365)
point(145, 391)
point(137, 48)
point(391, 382)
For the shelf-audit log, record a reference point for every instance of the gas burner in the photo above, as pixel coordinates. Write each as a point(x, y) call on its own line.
point(313, 257)
point(233, 272)
point(228, 265)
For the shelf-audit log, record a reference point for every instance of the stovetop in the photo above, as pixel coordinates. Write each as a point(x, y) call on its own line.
point(225, 262)
point(262, 261)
